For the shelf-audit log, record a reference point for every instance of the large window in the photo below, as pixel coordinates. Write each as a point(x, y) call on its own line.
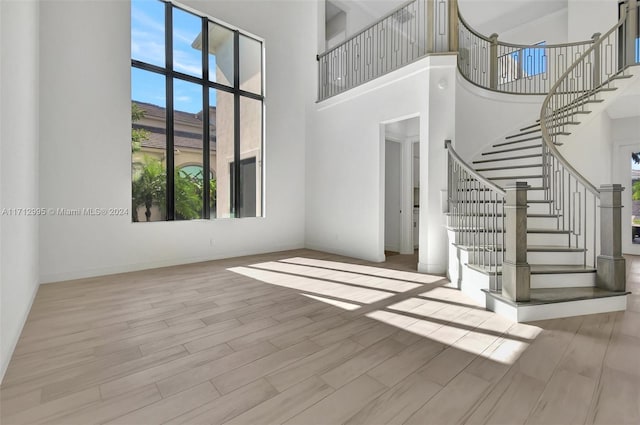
point(197, 103)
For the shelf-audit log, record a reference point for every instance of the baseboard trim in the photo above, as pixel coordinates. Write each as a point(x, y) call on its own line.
point(134, 267)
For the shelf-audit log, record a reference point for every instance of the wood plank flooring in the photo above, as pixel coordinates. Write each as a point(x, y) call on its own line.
point(303, 337)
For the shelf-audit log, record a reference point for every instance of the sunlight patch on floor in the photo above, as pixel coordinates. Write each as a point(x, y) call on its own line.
point(316, 286)
point(365, 270)
point(373, 282)
point(440, 314)
point(340, 304)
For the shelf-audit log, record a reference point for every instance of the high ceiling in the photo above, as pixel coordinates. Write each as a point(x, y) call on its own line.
point(489, 16)
point(486, 16)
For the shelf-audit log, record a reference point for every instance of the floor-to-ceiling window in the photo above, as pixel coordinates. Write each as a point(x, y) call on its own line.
point(197, 108)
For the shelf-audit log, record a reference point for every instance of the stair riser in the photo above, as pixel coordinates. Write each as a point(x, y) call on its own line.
point(556, 258)
point(533, 182)
point(512, 171)
point(491, 238)
point(538, 208)
point(537, 149)
point(542, 222)
point(472, 194)
point(563, 280)
point(506, 162)
point(491, 222)
point(547, 239)
point(484, 258)
point(535, 195)
point(557, 310)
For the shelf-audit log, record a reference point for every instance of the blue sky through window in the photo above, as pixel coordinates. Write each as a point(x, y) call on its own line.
point(147, 45)
point(533, 60)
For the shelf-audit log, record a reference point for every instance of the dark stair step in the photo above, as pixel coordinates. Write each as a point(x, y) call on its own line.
point(535, 155)
point(539, 269)
point(558, 295)
point(519, 148)
point(509, 167)
point(537, 130)
point(535, 176)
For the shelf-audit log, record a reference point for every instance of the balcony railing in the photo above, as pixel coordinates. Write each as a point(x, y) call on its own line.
point(401, 37)
point(513, 68)
point(421, 27)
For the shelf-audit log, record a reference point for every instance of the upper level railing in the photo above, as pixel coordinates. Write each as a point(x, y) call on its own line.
point(420, 27)
point(513, 68)
point(399, 38)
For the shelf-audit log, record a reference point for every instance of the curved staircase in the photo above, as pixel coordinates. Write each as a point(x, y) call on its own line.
point(530, 237)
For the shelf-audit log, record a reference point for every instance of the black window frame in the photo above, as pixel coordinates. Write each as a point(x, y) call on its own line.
point(170, 74)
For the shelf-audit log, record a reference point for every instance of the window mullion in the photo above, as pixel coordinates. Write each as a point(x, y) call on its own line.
point(206, 142)
point(170, 190)
point(236, 132)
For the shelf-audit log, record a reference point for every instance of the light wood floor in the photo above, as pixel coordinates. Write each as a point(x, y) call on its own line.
point(303, 337)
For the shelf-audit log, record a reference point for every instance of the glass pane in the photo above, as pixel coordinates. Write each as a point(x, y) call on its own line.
point(220, 54)
point(222, 150)
point(147, 31)
point(148, 146)
point(250, 65)
point(187, 149)
point(635, 197)
point(187, 53)
point(250, 158)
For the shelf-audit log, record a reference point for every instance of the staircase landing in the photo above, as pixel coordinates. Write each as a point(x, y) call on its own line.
point(548, 303)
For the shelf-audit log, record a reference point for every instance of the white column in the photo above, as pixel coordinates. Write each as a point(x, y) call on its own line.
point(435, 127)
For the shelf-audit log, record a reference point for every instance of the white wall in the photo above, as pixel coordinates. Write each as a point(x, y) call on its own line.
point(18, 168)
point(586, 17)
point(485, 117)
point(626, 139)
point(589, 148)
point(360, 14)
point(85, 150)
point(551, 28)
point(517, 21)
point(345, 153)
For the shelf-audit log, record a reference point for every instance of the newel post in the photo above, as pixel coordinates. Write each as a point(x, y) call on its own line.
point(611, 274)
point(493, 61)
point(631, 29)
point(516, 272)
point(453, 25)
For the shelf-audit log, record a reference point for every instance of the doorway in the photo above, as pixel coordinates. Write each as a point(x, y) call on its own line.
point(401, 187)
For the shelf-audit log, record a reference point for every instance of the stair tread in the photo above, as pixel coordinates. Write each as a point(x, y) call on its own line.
point(530, 176)
point(493, 201)
point(486, 189)
point(538, 268)
point(519, 148)
point(530, 248)
point(512, 142)
point(491, 229)
point(522, 133)
point(539, 296)
point(509, 167)
point(533, 215)
point(533, 155)
point(567, 114)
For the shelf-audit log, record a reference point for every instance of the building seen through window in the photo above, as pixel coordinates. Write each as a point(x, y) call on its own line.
point(183, 65)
